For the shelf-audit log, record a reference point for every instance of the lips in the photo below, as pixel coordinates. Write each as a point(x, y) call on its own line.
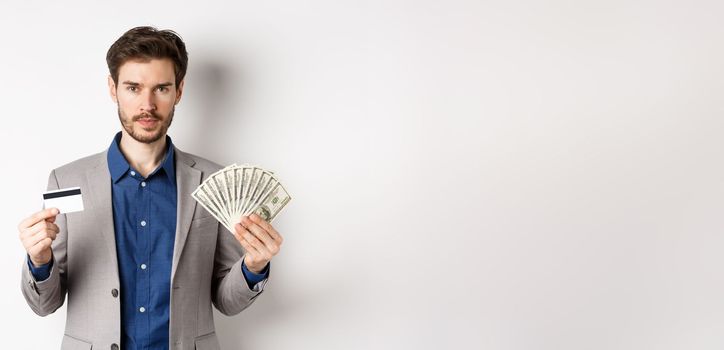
point(147, 122)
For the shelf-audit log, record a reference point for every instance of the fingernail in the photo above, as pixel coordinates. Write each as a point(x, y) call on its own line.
point(56, 211)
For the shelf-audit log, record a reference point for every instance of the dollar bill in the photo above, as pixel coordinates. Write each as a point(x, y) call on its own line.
point(273, 203)
point(240, 190)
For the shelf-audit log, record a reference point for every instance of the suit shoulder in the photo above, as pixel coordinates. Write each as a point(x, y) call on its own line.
point(80, 165)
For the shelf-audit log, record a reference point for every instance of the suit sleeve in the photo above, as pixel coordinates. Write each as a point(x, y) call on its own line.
point(46, 296)
point(230, 291)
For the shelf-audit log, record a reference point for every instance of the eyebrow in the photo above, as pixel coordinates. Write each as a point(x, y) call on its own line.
point(133, 83)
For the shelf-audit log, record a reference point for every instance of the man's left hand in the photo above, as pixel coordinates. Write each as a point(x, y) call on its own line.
point(260, 240)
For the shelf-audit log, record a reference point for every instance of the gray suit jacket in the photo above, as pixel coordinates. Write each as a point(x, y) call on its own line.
point(206, 265)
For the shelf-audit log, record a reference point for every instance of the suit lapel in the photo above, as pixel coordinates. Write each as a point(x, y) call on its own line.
point(187, 179)
point(100, 193)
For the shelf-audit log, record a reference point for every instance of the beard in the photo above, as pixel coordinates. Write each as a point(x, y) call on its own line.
point(146, 135)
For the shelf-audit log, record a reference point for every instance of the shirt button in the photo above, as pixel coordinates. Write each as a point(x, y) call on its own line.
point(143, 266)
point(143, 223)
point(143, 184)
point(114, 346)
point(142, 309)
point(133, 173)
point(114, 292)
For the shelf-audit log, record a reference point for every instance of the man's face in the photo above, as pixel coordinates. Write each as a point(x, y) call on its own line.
point(146, 95)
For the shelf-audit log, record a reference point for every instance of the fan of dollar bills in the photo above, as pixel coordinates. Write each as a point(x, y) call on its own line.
point(240, 190)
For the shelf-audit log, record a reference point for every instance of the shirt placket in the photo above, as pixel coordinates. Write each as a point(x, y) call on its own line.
point(143, 286)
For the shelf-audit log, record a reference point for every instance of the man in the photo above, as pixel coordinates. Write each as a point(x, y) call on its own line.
point(142, 264)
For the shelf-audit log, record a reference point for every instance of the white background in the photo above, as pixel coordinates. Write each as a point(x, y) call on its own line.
point(466, 174)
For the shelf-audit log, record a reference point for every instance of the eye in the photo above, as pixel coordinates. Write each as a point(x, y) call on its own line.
point(162, 89)
point(132, 88)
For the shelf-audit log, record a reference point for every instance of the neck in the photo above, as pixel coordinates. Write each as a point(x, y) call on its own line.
point(144, 157)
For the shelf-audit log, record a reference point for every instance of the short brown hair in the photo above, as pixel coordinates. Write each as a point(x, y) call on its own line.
point(146, 43)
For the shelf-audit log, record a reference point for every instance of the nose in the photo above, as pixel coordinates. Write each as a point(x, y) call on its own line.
point(148, 103)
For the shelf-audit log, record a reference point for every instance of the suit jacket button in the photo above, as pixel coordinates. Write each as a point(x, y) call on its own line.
point(114, 346)
point(114, 293)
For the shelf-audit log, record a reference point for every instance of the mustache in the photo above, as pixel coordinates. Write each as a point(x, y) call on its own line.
point(151, 115)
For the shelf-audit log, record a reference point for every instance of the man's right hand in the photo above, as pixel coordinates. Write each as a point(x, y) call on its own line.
point(37, 233)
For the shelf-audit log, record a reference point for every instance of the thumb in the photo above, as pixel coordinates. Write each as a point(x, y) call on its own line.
point(52, 213)
point(38, 217)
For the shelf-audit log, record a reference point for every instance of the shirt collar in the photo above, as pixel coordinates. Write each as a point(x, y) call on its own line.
point(118, 165)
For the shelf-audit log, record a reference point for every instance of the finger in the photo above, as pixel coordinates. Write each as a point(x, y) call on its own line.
point(39, 216)
point(35, 218)
point(259, 232)
point(35, 239)
point(263, 250)
point(40, 226)
point(250, 250)
point(268, 227)
point(44, 225)
point(48, 232)
point(39, 236)
point(239, 232)
point(40, 247)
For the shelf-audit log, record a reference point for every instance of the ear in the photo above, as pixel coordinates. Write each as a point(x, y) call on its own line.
point(112, 89)
point(179, 91)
